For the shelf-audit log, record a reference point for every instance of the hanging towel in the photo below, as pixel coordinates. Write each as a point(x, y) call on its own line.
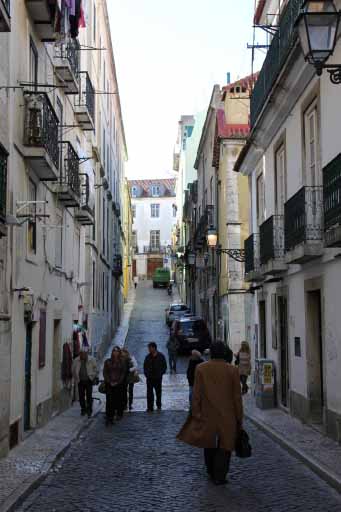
point(82, 23)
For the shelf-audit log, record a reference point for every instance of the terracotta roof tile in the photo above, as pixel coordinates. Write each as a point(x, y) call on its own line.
point(168, 183)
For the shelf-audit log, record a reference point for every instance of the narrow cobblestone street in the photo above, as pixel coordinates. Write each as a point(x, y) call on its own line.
point(137, 464)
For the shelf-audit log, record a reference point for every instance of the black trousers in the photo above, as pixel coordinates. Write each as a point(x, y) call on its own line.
point(85, 395)
point(154, 384)
point(217, 462)
point(131, 393)
point(245, 387)
point(172, 358)
point(115, 401)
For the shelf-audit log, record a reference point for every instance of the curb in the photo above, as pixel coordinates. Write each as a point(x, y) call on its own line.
point(326, 474)
point(18, 497)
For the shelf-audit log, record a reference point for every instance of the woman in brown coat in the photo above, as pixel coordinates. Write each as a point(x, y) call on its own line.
point(217, 413)
point(114, 373)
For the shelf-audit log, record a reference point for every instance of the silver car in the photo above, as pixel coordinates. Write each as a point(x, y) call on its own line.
point(176, 311)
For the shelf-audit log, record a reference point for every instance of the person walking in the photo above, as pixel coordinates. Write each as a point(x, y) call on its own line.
point(217, 413)
point(172, 347)
point(133, 378)
point(85, 374)
point(243, 361)
point(194, 360)
point(155, 366)
point(136, 281)
point(114, 374)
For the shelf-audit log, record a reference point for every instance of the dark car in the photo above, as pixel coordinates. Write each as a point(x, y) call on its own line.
point(192, 333)
point(176, 311)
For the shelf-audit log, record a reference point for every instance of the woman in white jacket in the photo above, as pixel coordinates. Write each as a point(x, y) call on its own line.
point(132, 377)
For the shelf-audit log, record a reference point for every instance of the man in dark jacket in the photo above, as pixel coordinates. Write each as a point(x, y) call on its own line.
point(155, 366)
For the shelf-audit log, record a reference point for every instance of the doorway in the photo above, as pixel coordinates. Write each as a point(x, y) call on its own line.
point(262, 329)
point(284, 349)
point(28, 378)
point(315, 355)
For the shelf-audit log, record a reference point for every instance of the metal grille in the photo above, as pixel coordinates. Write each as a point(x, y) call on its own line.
point(72, 54)
point(249, 246)
point(332, 193)
point(280, 46)
point(3, 182)
point(86, 94)
point(272, 239)
point(41, 124)
point(70, 172)
point(303, 215)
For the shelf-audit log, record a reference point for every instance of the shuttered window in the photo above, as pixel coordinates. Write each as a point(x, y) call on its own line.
point(42, 339)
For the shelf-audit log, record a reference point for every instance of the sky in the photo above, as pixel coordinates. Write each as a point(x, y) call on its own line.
point(169, 54)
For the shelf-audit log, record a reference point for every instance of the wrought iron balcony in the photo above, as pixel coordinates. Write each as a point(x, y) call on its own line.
point(303, 225)
point(68, 188)
point(43, 14)
point(41, 135)
point(85, 213)
point(117, 269)
point(5, 15)
point(66, 63)
point(85, 103)
point(332, 202)
point(155, 249)
point(3, 189)
point(280, 47)
point(252, 263)
point(272, 245)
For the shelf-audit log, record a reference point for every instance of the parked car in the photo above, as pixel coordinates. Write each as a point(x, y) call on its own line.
point(175, 311)
point(192, 333)
point(161, 277)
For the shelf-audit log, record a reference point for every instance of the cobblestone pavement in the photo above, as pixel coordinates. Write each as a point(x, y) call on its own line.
point(138, 465)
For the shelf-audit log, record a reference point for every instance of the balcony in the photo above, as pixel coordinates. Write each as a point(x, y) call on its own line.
point(252, 263)
point(41, 136)
point(68, 187)
point(3, 190)
point(66, 65)
point(282, 42)
point(271, 234)
point(332, 203)
point(85, 213)
point(117, 266)
point(85, 103)
point(303, 220)
point(43, 14)
point(5, 18)
point(154, 249)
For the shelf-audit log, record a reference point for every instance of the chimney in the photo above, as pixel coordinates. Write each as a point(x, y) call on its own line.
point(228, 78)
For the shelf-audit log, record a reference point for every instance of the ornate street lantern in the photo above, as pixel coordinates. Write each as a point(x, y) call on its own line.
point(318, 26)
point(212, 237)
point(191, 258)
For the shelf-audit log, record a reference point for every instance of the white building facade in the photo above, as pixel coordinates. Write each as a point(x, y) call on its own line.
point(62, 168)
point(154, 218)
point(293, 254)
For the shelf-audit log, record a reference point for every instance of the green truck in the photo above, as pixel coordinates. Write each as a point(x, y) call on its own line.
point(161, 277)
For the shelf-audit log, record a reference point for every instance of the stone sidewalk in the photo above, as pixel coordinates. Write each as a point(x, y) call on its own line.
point(29, 463)
point(306, 443)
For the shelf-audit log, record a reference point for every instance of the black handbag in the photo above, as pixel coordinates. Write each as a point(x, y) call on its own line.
point(243, 448)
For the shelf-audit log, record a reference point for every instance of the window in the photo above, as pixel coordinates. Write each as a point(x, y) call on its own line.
point(33, 65)
point(59, 242)
point(133, 210)
point(134, 191)
point(311, 147)
point(260, 200)
point(42, 339)
point(77, 253)
point(155, 210)
point(134, 239)
point(280, 181)
point(175, 209)
point(155, 239)
point(32, 224)
point(155, 190)
point(93, 285)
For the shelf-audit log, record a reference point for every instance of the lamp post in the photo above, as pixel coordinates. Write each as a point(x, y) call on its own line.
point(318, 26)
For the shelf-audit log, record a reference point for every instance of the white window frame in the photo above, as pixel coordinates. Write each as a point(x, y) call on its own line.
point(155, 210)
point(155, 238)
point(156, 190)
point(280, 180)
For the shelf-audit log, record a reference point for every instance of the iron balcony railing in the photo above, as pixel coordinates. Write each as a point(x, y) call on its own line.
point(155, 249)
point(41, 124)
point(271, 234)
point(71, 52)
point(280, 47)
point(332, 193)
point(85, 192)
point(69, 174)
point(86, 94)
point(251, 247)
point(303, 217)
point(3, 182)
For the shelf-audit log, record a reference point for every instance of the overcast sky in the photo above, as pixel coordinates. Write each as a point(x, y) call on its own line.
point(169, 54)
